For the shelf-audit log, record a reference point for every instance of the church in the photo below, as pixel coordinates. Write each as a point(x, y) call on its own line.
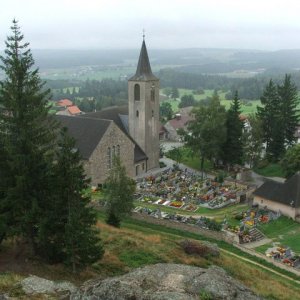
point(130, 132)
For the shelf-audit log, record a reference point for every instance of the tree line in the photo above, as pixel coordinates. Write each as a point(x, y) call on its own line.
point(225, 137)
point(91, 95)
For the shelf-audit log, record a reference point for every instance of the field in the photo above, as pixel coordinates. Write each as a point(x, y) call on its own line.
point(246, 109)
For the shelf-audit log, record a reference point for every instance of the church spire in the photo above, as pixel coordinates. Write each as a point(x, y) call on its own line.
point(143, 70)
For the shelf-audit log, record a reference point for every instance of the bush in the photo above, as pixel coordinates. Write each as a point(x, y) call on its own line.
point(195, 248)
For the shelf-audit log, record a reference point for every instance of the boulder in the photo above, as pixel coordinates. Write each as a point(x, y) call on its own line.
point(167, 282)
point(36, 285)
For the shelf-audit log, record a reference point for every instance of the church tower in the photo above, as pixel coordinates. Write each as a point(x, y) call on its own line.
point(143, 106)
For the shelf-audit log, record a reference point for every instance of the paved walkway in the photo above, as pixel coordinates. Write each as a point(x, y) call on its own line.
point(253, 245)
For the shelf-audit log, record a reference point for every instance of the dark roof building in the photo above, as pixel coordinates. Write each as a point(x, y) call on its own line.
point(87, 132)
point(280, 196)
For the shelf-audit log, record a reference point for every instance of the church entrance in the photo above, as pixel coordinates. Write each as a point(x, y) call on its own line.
point(137, 170)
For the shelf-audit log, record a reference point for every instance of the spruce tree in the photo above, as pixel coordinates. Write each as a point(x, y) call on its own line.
point(272, 122)
point(26, 135)
point(119, 193)
point(74, 237)
point(233, 146)
point(290, 114)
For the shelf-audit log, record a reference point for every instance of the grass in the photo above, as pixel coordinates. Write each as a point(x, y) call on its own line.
point(190, 160)
point(263, 248)
point(285, 231)
point(138, 243)
point(271, 170)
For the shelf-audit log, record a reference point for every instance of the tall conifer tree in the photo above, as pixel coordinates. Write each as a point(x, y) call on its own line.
point(272, 122)
point(233, 146)
point(69, 225)
point(290, 114)
point(27, 136)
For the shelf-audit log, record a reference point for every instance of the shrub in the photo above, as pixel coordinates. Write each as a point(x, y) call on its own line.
point(194, 248)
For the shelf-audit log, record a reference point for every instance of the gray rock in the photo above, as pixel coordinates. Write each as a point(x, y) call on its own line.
point(36, 285)
point(167, 282)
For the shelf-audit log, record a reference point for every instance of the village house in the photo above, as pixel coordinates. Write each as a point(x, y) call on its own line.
point(283, 197)
point(65, 107)
point(130, 132)
point(180, 121)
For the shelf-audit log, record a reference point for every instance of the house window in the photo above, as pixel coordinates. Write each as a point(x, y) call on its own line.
point(137, 113)
point(137, 92)
point(108, 157)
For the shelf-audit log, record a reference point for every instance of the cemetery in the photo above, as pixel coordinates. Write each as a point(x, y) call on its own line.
point(284, 254)
point(187, 191)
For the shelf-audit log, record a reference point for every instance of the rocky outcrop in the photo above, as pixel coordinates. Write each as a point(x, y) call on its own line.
point(167, 282)
point(36, 285)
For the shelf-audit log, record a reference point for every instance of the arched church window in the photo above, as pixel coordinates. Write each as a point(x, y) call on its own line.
point(137, 113)
point(114, 151)
point(152, 113)
point(118, 150)
point(137, 92)
point(152, 96)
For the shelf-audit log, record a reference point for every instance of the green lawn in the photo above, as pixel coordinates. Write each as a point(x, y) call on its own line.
point(192, 161)
point(263, 248)
point(271, 170)
point(285, 231)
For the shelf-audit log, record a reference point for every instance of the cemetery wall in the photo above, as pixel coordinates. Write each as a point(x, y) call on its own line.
point(218, 235)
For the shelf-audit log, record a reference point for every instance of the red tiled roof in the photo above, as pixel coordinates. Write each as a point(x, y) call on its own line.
point(65, 102)
point(74, 110)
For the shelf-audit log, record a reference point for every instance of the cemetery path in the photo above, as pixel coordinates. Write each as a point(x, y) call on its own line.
point(260, 265)
point(253, 245)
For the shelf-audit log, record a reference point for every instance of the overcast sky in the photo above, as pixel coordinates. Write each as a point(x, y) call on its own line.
point(90, 24)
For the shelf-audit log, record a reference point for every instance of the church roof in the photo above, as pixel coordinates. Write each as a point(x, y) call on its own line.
point(86, 132)
point(287, 193)
point(119, 115)
point(143, 70)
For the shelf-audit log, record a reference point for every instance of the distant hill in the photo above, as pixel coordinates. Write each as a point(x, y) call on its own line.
point(208, 61)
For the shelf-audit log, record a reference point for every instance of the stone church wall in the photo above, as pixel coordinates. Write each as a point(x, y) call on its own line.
point(97, 168)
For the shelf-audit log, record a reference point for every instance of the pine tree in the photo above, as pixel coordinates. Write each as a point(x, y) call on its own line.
point(272, 122)
point(233, 146)
point(290, 114)
point(27, 137)
point(119, 191)
point(74, 237)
